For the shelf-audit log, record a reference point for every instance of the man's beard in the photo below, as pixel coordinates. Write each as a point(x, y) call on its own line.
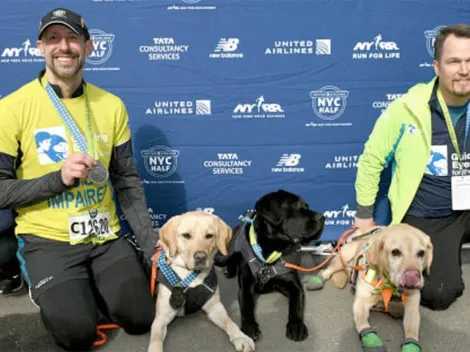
point(66, 72)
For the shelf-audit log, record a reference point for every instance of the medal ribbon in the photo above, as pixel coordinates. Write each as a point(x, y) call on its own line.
point(171, 276)
point(70, 123)
point(450, 126)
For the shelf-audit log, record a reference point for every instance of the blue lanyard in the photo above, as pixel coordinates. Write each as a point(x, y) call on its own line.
point(70, 123)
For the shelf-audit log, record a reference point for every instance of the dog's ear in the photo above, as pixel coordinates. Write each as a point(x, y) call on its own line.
point(224, 235)
point(270, 209)
point(168, 234)
point(376, 253)
point(429, 254)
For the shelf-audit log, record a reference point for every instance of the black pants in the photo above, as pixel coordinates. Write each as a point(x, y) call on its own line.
point(9, 264)
point(73, 284)
point(444, 284)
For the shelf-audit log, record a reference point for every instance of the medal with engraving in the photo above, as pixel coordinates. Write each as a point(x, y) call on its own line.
point(177, 298)
point(98, 174)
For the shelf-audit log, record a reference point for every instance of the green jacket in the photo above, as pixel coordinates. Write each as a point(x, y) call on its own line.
point(402, 135)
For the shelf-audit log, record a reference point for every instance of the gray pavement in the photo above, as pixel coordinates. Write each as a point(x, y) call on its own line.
point(328, 317)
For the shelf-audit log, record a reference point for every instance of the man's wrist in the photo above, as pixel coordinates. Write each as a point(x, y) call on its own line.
point(364, 211)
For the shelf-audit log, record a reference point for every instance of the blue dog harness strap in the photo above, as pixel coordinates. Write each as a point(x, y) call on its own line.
point(171, 276)
point(195, 297)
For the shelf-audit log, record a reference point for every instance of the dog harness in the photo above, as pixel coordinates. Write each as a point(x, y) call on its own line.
point(194, 297)
point(382, 285)
point(263, 269)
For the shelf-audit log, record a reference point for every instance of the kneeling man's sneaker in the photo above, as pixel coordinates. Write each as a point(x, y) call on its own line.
point(11, 285)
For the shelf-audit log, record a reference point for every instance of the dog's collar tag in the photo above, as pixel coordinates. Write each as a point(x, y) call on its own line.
point(266, 273)
point(370, 275)
point(177, 298)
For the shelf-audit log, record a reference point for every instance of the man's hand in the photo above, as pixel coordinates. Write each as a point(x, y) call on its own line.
point(76, 166)
point(159, 247)
point(364, 223)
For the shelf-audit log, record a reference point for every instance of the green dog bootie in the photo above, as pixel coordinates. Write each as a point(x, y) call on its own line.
point(314, 283)
point(371, 342)
point(410, 345)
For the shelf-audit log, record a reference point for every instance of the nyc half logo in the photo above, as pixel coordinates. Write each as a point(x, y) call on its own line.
point(431, 38)
point(160, 161)
point(102, 46)
point(329, 102)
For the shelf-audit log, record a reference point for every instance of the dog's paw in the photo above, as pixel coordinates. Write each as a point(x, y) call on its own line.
point(252, 330)
point(244, 344)
point(296, 330)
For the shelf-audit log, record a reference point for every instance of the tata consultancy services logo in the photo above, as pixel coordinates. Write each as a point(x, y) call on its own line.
point(329, 102)
point(160, 161)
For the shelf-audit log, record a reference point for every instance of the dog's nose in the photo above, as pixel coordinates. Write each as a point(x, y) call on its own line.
point(411, 279)
point(319, 217)
point(200, 257)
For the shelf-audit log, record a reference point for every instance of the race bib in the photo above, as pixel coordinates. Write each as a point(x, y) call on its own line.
point(92, 226)
point(460, 192)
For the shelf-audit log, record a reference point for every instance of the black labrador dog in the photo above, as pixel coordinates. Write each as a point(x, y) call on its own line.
point(281, 223)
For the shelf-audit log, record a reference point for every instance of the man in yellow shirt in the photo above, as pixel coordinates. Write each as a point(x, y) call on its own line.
point(65, 151)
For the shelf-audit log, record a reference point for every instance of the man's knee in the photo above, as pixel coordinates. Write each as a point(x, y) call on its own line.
point(71, 333)
point(127, 296)
point(133, 307)
point(441, 297)
point(69, 313)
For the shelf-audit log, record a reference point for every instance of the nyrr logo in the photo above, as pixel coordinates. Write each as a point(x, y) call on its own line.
point(258, 110)
point(430, 36)
point(160, 161)
point(329, 102)
point(287, 162)
point(25, 53)
point(376, 49)
point(343, 217)
point(102, 46)
point(191, 1)
point(226, 49)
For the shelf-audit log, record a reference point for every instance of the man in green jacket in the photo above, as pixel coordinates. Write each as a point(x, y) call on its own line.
point(423, 137)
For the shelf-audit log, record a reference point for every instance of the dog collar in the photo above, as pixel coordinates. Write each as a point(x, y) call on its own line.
point(171, 276)
point(257, 248)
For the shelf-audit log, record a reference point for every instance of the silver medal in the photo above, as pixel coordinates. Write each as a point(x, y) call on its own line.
point(98, 174)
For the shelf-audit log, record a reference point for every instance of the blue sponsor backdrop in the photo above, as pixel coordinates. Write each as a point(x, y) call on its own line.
point(229, 100)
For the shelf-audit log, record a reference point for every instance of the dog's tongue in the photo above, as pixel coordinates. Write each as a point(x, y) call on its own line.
point(411, 279)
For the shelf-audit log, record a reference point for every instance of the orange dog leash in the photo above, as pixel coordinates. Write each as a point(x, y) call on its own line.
point(341, 240)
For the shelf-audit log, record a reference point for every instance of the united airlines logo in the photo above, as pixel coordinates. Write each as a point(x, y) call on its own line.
point(329, 102)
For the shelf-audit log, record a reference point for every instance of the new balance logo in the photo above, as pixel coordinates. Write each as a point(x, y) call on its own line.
point(289, 160)
point(227, 45)
point(226, 49)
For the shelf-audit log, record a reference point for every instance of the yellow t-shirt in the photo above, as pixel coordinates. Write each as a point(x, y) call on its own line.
point(29, 122)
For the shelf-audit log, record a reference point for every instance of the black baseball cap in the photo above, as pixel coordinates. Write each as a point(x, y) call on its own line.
point(67, 18)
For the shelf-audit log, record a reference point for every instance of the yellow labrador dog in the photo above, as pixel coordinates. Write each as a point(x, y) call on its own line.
point(189, 283)
point(395, 255)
